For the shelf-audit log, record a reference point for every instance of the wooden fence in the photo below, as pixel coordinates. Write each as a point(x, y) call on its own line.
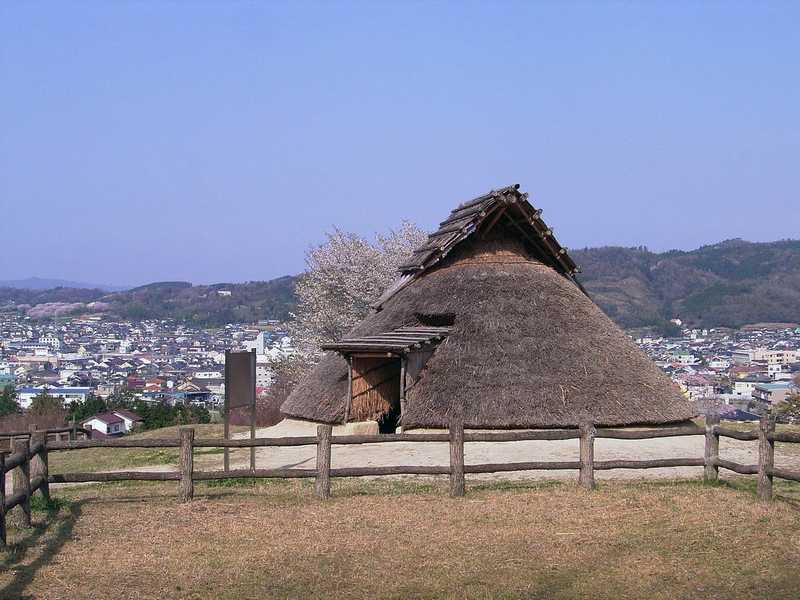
point(73, 432)
point(30, 464)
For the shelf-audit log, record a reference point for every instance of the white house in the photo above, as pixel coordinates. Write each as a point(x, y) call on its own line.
point(68, 394)
point(112, 423)
point(744, 387)
point(773, 369)
point(130, 418)
point(50, 340)
point(719, 363)
point(106, 424)
point(208, 375)
point(264, 374)
point(684, 358)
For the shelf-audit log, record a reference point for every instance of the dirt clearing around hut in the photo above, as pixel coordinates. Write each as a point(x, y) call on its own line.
point(430, 454)
point(402, 539)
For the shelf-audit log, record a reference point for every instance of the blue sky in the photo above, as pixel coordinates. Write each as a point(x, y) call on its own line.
point(215, 141)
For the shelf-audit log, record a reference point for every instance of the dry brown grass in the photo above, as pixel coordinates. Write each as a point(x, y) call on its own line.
point(408, 539)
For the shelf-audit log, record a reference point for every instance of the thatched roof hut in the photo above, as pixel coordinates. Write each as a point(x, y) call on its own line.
point(488, 322)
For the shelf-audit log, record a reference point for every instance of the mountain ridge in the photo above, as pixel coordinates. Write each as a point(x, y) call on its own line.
point(730, 283)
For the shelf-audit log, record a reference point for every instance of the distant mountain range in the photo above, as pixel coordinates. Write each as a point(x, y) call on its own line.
point(732, 283)
point(38, 283)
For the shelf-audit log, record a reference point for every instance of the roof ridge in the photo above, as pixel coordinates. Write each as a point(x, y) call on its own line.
point(467, 218)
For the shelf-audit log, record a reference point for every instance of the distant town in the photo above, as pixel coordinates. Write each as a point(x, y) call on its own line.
point(743, 372)
point(158, 361)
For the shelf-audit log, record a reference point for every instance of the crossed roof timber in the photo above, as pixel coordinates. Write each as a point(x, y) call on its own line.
point(482, 213)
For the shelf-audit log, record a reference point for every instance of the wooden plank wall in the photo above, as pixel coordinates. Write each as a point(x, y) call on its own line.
point(376, 387)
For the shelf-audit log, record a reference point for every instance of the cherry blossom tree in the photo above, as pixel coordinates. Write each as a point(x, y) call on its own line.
point(343, 276)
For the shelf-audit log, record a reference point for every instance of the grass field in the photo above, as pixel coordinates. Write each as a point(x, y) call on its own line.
point(407, 538)
point(92, 460)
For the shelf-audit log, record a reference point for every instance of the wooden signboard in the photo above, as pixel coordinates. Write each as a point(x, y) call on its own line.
point(240, 390)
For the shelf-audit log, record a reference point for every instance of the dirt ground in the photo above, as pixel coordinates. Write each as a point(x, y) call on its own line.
point(427, 453)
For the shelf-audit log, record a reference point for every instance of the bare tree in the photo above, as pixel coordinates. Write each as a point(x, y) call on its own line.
point(343, 277)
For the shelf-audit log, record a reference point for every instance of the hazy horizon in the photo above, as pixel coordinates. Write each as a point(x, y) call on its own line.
point(121, 286)
point(210, 143)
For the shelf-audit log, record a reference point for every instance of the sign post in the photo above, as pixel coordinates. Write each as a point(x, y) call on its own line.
point(240, 390)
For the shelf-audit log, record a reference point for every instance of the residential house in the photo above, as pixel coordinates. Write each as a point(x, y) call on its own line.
point(26, 394)
point(105, 424)
point(112, 423)
point(744, 387)
point(773, 393)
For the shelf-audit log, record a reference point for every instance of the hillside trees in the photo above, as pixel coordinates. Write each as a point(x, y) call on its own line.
point(788, 411)
point(43, 404)
point(157, 415)
point(87, 408)
point(8, 401)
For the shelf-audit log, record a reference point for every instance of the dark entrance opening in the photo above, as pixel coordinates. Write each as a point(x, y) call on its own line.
point(388, 421)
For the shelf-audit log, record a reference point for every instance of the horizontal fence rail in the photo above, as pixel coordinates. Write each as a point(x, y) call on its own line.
point(73, 432)
point(48, 431)
point(646, 434)
point(29, 460)
point(736, 435)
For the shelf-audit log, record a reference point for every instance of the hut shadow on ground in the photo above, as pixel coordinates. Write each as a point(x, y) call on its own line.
point(52, 532)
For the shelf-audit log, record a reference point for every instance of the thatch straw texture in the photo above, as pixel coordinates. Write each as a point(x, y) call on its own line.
point(527, 349)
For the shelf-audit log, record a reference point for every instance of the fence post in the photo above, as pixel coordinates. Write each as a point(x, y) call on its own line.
point(186, 484)
point(322, 485)
point(22, 481)
point(586, 477)
point(711, 454)
point(456, 457)
point(39, 463)
point(766, 456)
point(3, 540)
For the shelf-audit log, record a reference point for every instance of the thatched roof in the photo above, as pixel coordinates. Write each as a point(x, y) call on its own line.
point(527, 348)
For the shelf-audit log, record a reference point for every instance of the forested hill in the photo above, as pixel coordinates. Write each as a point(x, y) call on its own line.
point(732, 283)
point(215, 304)
point(205, 305)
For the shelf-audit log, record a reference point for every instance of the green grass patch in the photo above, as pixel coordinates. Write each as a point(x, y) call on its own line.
point(205, 451)
point(92, 460)
point(53, 505)
point(236, 482)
